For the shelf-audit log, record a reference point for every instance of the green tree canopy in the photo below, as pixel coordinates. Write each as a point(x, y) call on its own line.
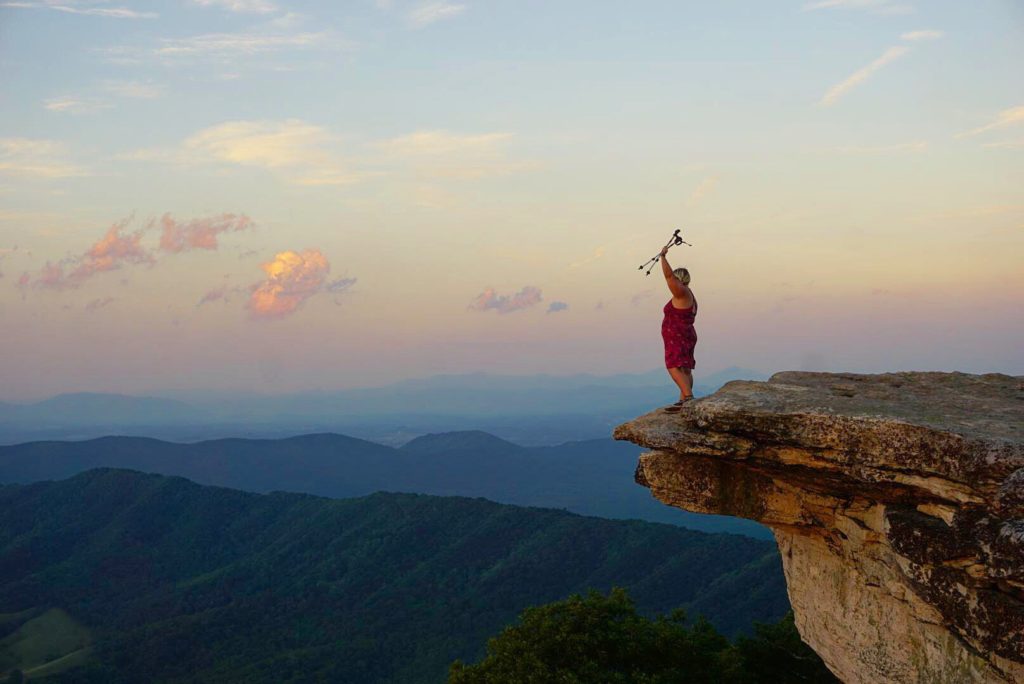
point(598, 638)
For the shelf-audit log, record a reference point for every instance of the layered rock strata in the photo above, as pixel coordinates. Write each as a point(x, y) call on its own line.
point(897, 501)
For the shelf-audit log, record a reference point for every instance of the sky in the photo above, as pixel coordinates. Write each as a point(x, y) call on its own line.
point(273, 196)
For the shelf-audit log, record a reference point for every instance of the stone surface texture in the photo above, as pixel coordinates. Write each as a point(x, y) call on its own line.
point(897, 501)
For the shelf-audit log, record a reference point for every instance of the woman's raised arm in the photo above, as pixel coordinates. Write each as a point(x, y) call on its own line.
point(677, 288)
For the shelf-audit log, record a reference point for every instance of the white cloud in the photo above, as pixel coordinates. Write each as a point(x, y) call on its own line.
point(241, 6)
point(874, 6)
point(78, 104)
point(73, 7)
point(60, 104)
point(869, 150)
point(287, 20)
point(296, 150)
point(923, 34)
point(832, 4)
point(308, 154)
point(120, 54)
point(836, 92)
point(594, 256)
point(972, 213)
point(230, 44)
point(428, 13)
point(705, 188)
point(453, 155)
point(892, 10)
point(429, 196)
point(422, 143)
point(232, 51)
point(35, 158)
point(134, 89)
point(1007, 117)
point(72, 104)
point(262, 143)
point(1006, 144)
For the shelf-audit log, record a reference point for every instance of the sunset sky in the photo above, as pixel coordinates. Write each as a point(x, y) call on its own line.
point(275, 196)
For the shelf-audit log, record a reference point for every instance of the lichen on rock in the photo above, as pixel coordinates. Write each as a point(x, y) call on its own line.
point(897, 501)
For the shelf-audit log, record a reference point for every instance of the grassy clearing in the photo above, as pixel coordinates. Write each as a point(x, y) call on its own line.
point(73, 659)
point(11, 621)
point(48, 643)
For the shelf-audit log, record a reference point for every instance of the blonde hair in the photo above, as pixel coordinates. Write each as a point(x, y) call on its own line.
point(683, 275)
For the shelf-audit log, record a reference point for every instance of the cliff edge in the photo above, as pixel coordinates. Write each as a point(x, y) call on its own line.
point(897, 501)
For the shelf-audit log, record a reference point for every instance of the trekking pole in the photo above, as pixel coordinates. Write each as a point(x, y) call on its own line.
point(676, 239)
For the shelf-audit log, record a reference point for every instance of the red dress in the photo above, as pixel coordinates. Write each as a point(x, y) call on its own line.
point(679, 335)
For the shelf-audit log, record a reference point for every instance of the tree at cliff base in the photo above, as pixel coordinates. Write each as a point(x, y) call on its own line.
point(598, 638)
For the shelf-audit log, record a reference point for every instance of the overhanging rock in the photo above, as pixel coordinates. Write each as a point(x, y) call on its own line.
point(897, 501)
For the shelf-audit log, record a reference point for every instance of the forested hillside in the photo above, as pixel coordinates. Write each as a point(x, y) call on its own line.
point(164, 580)
point(593, 477)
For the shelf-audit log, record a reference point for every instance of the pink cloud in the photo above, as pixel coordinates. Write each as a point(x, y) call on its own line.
point(201, 233)
point(490, 299)
point(291, 279)
point(118, 247)
point(110, 252)
point(50, 276)
point(107, 254)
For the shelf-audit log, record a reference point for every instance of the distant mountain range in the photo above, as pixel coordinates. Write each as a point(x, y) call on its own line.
point(120, 577)
point(593, 477)
point(88, 408)
point(533, 410)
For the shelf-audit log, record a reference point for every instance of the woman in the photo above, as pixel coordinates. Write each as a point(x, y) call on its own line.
point(677, 330)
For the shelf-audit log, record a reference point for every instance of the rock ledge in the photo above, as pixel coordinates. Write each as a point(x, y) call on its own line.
point(897, 501)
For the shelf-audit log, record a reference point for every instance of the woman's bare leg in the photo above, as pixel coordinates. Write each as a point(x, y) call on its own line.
point(688, 374)
point(684, 381)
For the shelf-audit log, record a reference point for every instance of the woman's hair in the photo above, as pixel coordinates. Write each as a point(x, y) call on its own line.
point(683, 275)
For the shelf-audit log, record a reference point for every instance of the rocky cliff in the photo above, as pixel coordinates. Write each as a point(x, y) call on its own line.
point(897, 502)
